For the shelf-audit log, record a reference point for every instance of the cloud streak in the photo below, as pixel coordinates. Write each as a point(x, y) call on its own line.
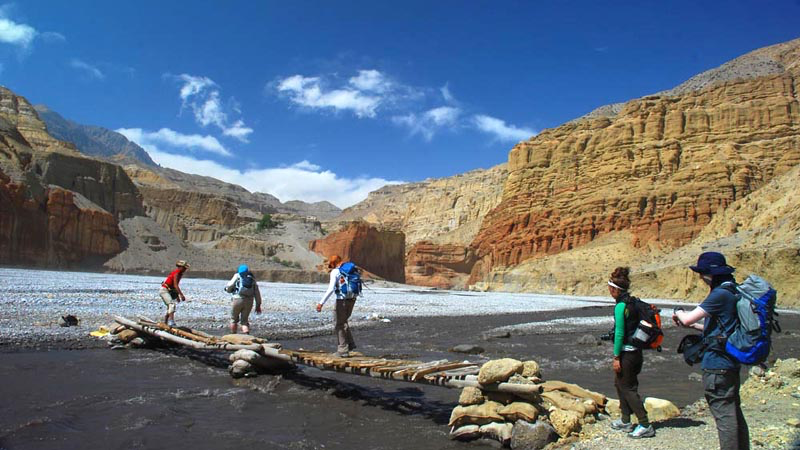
point(87, 69)
point(202, 95)
point(500, 130)
point(175, 140)
point(429, 122)
point(310, 93)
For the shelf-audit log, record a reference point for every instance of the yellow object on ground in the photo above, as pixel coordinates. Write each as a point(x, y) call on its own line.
point(100, 332)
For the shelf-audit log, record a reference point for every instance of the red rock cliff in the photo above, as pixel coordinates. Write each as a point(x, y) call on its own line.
point(379, 252)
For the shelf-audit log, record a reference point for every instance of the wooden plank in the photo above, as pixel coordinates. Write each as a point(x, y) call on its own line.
point(438, 368)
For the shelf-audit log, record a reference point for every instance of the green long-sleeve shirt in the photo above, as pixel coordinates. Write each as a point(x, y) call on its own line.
point(620, 313)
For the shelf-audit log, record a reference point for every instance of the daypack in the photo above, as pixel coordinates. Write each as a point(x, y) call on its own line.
point(751, 340)
point(648, 333)
point(349, 283)
point(246, 285)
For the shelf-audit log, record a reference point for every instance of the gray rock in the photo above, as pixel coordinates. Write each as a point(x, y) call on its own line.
point(757, 371)
point(467, 348)
point(495, 334)
point(532, 436)
point(589, 340)
point(694, 376)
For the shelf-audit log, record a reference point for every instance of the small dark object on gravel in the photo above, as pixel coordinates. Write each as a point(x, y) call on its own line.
point(589, 340)
point(467, 348)
point(68, 321)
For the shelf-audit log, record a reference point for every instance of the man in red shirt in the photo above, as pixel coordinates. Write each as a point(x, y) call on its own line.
point(171, 293)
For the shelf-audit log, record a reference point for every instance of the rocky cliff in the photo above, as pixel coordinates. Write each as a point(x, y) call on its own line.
point(50, 216)
point(380, 252)
point(659, 170)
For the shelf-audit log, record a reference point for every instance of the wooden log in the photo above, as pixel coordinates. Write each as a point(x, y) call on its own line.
point(575, 390)
point(153, 331)
point(185, 334)
point(438, 368)
point(519, 390)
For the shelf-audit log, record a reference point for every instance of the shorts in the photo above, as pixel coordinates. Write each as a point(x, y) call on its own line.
point(170, 299)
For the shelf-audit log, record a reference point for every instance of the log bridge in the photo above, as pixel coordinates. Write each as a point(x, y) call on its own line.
point(260, 354)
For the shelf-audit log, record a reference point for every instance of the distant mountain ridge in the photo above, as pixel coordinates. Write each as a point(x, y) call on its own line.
point(93, 140)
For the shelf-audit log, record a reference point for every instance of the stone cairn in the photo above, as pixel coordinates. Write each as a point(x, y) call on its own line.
point(529, 422)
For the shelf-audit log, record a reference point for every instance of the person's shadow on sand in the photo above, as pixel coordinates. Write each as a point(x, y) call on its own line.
point(680, 422)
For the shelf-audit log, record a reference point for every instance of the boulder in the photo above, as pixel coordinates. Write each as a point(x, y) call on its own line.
point(589, 340)
point(241, 368)
point(659, 409)
point(531, 369)
point(497, 431)
point(519, 411)
point(470, 396)
point(788, 368)
point(498, 370)
point(241, 339)
point(565, 422)
point(465, 433)
point(475, 414)
point(532, 436)
point(612, 407)
point(467, 348)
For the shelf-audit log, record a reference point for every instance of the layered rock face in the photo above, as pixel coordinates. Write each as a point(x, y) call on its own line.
point(439, 218)
point(49, 216)
point(380, 252)
point(660, 169)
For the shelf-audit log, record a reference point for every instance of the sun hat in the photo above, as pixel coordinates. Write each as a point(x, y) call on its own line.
point(243, 268)
point(712, 263)
point(182, 263)
point(334, 261)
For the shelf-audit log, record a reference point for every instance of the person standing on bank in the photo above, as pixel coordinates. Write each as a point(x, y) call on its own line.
point(628, 359)
point(342, 310)
point(171, 293)
point(721, 377)
point(245, 290)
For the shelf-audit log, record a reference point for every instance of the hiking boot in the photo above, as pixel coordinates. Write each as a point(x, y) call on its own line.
point(342, 354)
point(619, 425)
point(642, 432)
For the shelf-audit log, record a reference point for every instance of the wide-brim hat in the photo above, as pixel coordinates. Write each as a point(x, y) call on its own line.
point(182, 263)
point(712, 263)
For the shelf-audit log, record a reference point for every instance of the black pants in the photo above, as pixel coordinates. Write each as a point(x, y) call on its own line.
point(627, 383)
point(722, 394)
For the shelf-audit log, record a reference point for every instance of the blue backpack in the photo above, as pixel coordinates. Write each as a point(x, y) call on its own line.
point(349, 284)
point(751, 340)
point(246, 284)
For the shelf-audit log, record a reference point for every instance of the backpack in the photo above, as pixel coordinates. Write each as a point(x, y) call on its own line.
point(648, 333)
point(751, 340)
point(246, 285)
point(349, 284)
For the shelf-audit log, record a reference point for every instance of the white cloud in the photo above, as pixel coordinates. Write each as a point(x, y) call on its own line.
point(87, 69)
point(429, 122)
point(500, 129)
point(15, 33)
point(174, 139)
point(202, 95)
point(371, 80)
point(448, 97)
point(53, 36)
point(301, 181)
point(309, 92)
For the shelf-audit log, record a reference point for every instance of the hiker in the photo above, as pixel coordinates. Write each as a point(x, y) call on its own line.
point(628, 359)
point(720, 370)
point(342, 310)
point(171, 293)
point(244, 288)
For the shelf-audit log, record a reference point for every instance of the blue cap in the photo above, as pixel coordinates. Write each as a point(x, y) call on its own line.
point(712, 263)
point(243, 268)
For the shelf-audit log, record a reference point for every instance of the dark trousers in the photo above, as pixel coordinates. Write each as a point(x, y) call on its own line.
point(627, 383)
point(342, 312)
point(722, 394)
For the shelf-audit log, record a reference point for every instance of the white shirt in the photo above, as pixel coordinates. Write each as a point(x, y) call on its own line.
point(331, 287)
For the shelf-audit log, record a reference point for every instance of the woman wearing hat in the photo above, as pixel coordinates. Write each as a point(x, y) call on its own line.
point(720, 371)
point(171, 293)
point(342, 311)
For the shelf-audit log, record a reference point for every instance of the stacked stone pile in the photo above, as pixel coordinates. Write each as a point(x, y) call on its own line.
point(529, 422)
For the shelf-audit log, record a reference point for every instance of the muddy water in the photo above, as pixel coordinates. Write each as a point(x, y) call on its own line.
point(89, 398)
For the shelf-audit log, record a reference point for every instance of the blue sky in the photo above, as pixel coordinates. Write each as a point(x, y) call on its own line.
point(330, 100)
